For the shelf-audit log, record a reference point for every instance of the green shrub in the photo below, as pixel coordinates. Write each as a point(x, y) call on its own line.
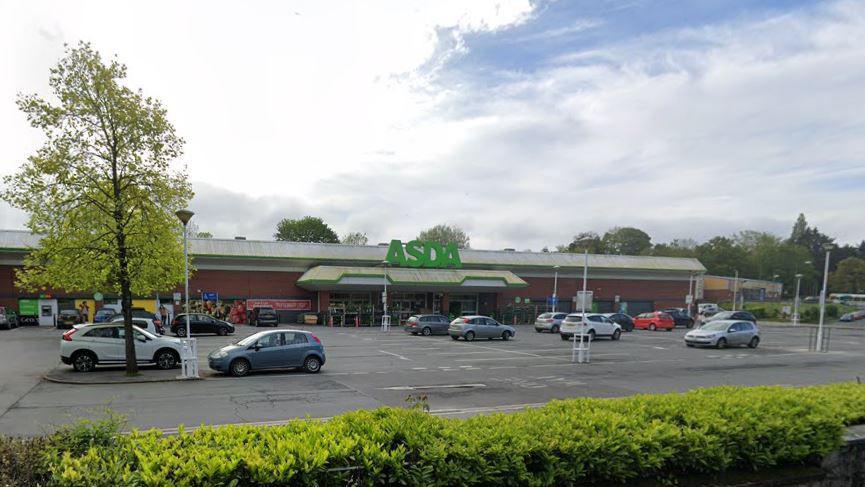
point(565, 442)
point(22, 461)
point(758, 312)
point(832, 311)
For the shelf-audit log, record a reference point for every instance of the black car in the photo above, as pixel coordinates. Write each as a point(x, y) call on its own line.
point(69, 318)
point(623, 320)
point(199, 323)
point(264, 316)
point(8, 319)
point(680, 317)
point(427, 325)
point(733, 315)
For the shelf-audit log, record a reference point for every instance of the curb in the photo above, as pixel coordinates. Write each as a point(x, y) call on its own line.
point(57, 380)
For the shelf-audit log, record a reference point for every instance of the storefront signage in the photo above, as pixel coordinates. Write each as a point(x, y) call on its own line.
point(28, 307)
point(431, 255)
point(280, 304)
point(210, 296)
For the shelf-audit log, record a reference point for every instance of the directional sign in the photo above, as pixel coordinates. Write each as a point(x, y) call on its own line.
point(210, 296)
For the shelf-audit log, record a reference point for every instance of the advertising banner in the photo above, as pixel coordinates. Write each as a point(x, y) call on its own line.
point(281, 304)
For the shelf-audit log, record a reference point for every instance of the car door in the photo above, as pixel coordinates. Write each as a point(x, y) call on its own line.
point(295, 346)
point(267, 351)
point(144, 348)
point(104, 343)
point(735, 334)
point(493, 330)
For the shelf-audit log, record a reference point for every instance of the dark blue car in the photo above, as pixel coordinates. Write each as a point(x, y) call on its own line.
point(275, 349)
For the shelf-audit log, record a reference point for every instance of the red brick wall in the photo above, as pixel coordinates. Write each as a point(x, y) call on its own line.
point(664, 293)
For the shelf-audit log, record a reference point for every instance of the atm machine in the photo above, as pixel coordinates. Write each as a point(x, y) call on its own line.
point(47, 312)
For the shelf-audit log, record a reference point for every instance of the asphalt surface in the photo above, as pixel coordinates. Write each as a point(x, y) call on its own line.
point(367, 368)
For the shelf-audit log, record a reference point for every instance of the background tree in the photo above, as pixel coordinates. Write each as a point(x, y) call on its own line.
point(355, 238)
point(306, 229)
point(195, 232)
point(849, 277)
point(626, 241)
point(676, 248)
point(444, 233)
point(582, 242)
point(100, 190)
point(721, 256)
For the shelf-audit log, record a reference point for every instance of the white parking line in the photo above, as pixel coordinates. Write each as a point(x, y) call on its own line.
point(395, 355)
point(420, 388)
point(505, 350)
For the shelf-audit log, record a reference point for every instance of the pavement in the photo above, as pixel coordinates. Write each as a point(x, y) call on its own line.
point(367, 368)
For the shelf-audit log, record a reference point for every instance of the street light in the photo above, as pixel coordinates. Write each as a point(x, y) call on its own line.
point(796, 301)
point(189, 361)
point(385, 318)
point(828, 249)
point(555, 286)
point(735, 289)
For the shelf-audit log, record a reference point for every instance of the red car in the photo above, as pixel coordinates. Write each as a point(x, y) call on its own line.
point(656, 320)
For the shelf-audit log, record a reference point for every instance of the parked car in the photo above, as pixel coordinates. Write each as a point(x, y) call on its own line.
point(8, 319)
point(104, 315)
point(149, 324)
point(708, 309)
point(199, 323)
point(550, 322)
point(473, 326)
point(623, 320)
point(272, 349)
point(732, 315)
point(86, 346)
point(264, 316)
point(597, 325)
point(427, 325)
point(680, 317)
point(724, 333)
point(656, 320)
point(69, 318)
point(854, 316)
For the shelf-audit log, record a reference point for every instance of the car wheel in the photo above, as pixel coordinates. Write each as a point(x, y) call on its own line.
point(652, 327)
point(239, 367)
point(453, 337)
point(222, 331)
point(506, 335)
point(311, 365)
point(84, 361)
point(721, 343)
point(564, 337)
point(689, 345)
point(470, 336)
point(754, 342)
point(539, 330)
point(167, 359)
point(554, 329)
point(181, 331)
point(426, 331)
point(671, 328)
point(591, 335)
point(617, 334)
point(690, 323)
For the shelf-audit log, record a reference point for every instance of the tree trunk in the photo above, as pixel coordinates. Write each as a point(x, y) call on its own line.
point(126, 300)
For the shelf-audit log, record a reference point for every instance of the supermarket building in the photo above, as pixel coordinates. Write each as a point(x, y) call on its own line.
point(345, 282)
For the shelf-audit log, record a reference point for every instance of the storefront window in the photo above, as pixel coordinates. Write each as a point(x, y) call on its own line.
point(463, 304)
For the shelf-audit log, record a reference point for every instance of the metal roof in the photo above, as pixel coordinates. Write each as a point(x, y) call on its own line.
point(371, 254)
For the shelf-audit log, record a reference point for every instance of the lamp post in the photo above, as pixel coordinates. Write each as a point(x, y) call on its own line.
point(385, 318)
point(796, 301)
point(555, 286)
point(735, 289)
point(828, 249)
point(190, 359)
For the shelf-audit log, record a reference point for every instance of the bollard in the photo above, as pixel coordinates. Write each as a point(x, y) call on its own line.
point(330, 321)
point(357, 321)
point(515, 319)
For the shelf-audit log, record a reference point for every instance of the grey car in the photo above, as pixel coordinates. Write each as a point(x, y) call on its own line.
point(471, 327)
point(274, 349)
point(724, 333)
point(550, 322)
point(427, 325)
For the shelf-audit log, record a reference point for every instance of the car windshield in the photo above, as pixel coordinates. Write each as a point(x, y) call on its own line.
point(574, 319)
point(104, 312)
point(545, 316)
point(250, 339)
point(723, 315)
point(714, 326)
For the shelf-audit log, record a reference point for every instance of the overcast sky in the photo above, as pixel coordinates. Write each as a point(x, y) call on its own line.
point(522, 122)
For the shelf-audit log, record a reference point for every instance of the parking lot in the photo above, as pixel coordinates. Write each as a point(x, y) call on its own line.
point(368, 368)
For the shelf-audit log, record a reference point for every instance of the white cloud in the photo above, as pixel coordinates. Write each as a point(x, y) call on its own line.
point(352, 114)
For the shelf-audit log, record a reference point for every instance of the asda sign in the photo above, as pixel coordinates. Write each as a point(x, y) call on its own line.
point(430, 255)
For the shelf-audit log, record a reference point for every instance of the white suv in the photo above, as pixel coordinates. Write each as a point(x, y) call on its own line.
point(597, 325)
point(86, 346)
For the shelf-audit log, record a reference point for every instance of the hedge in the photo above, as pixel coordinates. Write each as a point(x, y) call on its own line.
point(566, 442)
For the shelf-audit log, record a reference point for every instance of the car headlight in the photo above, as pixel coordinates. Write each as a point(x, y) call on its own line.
point(220, 354)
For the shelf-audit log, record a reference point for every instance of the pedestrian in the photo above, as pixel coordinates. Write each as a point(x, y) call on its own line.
point(163, 314)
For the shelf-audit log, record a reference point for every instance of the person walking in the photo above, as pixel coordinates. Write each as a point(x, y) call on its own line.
point(163, 315)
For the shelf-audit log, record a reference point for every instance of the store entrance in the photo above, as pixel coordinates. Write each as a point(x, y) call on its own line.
point(463, 304)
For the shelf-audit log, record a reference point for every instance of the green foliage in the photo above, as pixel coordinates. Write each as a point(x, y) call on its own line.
point(849, 277)
point(77, 438)
point(355, 238)
point(23, 461)
point(626, 241)
point(306, 229)
point(445, 234)
point(566, 442)
point(585, 241)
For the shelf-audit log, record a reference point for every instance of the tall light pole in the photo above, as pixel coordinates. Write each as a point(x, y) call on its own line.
point(796, 301)
point(385, 319)
point(735, 289)
point(690, 298)
point(828, 249)
point(190, 360)
point(555, 286)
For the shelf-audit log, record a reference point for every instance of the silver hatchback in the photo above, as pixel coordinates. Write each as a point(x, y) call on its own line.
point(724, 333)
point(550, 322)
point(471, 327)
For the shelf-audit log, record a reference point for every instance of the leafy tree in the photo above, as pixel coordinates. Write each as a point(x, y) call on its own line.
point(355, 238)
point(626, 241)
point(194, 232)
point(797, 236)
point(849, 277)
point(582, 242)
point(677, 248)
point(100, 190)
point(721, 256)
point(445, 233)
point(306, 229)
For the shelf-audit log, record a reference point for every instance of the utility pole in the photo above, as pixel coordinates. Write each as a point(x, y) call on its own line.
point(823, 299)
point(735, 289)
point(796, 301)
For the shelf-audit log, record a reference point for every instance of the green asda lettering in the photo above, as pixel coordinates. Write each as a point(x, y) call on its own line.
point(431, 255)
